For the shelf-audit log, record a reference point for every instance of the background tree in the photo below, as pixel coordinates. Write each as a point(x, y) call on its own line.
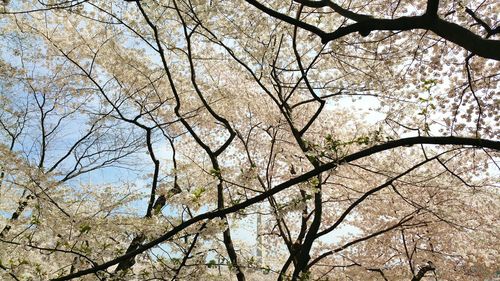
point(357, 140)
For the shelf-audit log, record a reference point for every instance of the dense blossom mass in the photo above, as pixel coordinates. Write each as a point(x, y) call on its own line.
point(249, 140)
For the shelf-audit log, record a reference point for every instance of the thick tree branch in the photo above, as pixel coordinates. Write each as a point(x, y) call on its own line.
point(447, 30)
point(304, 177)
point(432, 8)
point(423, 270)
point(452, 32)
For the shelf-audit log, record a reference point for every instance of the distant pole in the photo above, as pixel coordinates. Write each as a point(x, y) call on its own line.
point(259, 238)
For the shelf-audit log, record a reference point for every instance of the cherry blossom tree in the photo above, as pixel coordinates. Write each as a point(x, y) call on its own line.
point(249, 140)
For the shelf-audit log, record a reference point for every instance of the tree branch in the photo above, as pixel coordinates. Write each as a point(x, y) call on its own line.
point(304, 177)
point(423, 270)
point(452, 32)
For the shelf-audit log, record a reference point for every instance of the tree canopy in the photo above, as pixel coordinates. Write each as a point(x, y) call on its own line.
point(249, 140)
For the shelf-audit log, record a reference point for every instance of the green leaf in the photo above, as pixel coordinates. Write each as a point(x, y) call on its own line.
point(84, 228)
point(198, 192)
point(212, 264)
point(214, 172)
point(266, 270)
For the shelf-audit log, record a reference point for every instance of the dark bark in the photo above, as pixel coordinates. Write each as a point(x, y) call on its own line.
point(23, 203)
point(133, 246)
point(449, 31)
point(304, 177)
point(423, 270)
